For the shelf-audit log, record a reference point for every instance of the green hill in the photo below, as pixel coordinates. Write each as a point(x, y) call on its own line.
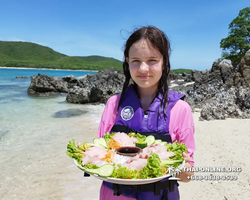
point(180, 71)
point(31, 55)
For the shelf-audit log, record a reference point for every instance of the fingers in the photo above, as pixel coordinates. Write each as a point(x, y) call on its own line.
point(186, 157)
point(79, 144)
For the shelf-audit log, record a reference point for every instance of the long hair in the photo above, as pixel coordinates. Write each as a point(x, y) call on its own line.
point(161, 43)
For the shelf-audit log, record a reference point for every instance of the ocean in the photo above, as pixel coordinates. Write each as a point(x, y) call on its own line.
point(34, 132)
point(17, 105)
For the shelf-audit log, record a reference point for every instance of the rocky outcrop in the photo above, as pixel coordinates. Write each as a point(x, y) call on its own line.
point(96, 87)
point(21, 77)
point(231, 103)
point(221, 92)
point(44, 85)
point(91, 88)
point(244, 68)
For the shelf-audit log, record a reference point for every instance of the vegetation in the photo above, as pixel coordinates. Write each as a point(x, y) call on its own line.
point(31, 55)
point(180, 71)
point(238, 41)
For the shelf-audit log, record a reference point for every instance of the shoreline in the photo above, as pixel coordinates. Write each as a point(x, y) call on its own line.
point(49, 69)
point(48, 173)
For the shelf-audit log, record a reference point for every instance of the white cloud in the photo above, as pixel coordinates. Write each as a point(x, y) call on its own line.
point(11, 38)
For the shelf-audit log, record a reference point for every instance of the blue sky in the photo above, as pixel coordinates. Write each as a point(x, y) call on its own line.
point(101, 27)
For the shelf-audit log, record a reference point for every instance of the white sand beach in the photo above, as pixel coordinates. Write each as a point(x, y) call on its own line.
point(223, 143)
point(220, 143)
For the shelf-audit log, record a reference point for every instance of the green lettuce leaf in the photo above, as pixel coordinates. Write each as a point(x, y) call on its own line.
point(138, 136)
point(177, 149)
point(91, 166)
point(108, 136)
point(74, 152)
point(124, 173)
point(153, 168)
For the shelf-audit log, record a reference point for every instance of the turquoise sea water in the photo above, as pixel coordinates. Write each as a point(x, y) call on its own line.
point(34, 133)
point(13, 91)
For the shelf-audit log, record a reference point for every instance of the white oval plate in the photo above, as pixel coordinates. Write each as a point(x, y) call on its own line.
point(132, 181)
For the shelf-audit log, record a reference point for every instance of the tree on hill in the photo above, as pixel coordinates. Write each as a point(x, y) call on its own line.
point(236, 44)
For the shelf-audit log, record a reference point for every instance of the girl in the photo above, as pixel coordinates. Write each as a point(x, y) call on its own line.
point(146, 105)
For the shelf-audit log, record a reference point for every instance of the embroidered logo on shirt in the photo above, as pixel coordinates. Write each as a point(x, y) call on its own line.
point(127, 113)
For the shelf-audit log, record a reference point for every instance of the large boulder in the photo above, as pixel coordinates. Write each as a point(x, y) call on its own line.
point(44, 85)
point(96, 87)
point(226, 69)
point(244, 68)
point(91, 88)
point(197, 76)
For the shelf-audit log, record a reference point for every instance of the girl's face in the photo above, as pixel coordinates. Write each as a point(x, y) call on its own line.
point(145, 65)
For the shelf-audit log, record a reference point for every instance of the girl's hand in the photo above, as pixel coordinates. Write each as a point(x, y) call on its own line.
point(78, 144)
point(186, 157)
point(185, 174)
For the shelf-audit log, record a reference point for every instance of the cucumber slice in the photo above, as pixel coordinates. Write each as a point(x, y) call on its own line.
point(81, 167)
point(150, 139)
point(101, 142)
point(157, 141)
point(105, 170)
point(141, 144)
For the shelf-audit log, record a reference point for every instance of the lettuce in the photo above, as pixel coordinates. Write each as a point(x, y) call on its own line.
point(84, 146)
point(178, 149)
point(138, 136)
point(108, 136)
point(74, 152)
point(124, 173)
point(91, 166)
point(153, 168)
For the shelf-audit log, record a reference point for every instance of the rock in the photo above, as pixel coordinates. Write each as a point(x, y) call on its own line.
point(197, 76)
point(232, 103)
point(173, 76)
point(226, 68)
point(225, 63)
point(204, 72)
point(220, 93)
point(215, 66)
point(243, 98)
point(46, 85)
point(244, 68)
point(78, 95)
point(238, 80)
point(21, 77)
point(98, 87)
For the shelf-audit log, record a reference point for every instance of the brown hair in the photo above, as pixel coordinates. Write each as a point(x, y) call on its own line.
point(161, 43)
